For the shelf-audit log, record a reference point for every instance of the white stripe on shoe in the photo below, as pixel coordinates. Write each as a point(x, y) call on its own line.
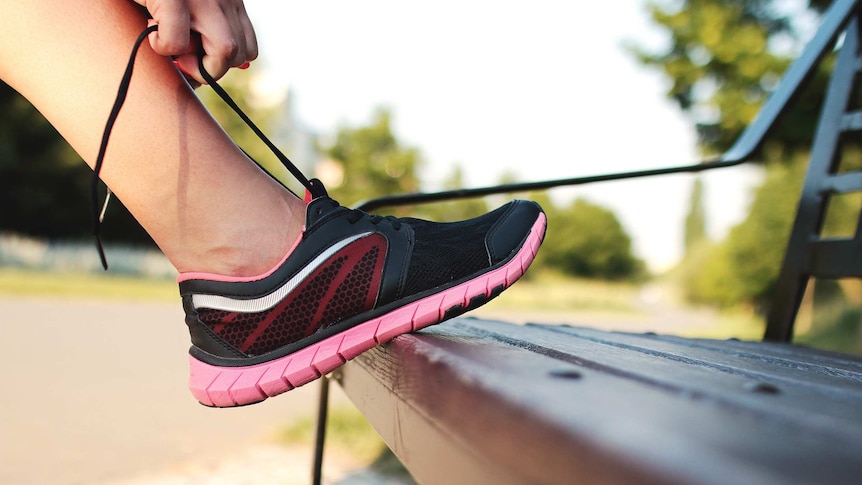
point(217, 302)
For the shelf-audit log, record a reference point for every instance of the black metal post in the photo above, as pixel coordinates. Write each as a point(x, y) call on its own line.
point(320, 437)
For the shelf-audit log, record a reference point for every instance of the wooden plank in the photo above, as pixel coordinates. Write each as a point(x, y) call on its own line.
point(419, 392)
point(787, 351)
point(485, 402)
point(774, 388)
point(801, 370)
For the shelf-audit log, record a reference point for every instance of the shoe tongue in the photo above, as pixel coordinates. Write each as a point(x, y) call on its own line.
point(314, 190)
point(317, 202)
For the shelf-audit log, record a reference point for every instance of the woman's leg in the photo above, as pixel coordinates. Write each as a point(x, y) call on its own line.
point(205, 204)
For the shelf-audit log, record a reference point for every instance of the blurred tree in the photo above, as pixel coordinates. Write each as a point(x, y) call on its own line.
point(373, 162)
point(724, 58)
point(743, 268)
point(587, 240)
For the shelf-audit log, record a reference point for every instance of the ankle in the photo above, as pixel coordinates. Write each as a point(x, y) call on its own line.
point(247, 260)
point(253, 256)
point(245, 250)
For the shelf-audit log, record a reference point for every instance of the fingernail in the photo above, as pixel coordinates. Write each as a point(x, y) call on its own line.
point(244, 65)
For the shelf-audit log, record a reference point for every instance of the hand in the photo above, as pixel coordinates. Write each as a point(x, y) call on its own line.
point(225, 30)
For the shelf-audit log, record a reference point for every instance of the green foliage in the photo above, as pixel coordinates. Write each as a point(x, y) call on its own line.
point(587, 240)
point(724, 58)
point(349, 433)
point(373, 162)
point(835, 321)
point(744, 267)
point(584, 240)
point(346, 429)
point(722, 64)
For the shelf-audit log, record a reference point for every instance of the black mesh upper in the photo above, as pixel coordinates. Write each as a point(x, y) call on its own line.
point(447, 252)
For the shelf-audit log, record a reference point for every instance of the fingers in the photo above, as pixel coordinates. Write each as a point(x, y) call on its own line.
point(174, 35)
point(226, 34)
point(248, 32)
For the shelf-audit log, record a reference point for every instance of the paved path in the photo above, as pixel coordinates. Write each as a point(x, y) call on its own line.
point(95, 392)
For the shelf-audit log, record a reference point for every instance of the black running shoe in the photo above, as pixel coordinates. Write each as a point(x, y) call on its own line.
point(352, 281)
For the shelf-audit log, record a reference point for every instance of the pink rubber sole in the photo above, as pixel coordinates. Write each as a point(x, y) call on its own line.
point(236, 386)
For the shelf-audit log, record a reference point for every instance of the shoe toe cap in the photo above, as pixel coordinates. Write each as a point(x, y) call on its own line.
point(512, 229)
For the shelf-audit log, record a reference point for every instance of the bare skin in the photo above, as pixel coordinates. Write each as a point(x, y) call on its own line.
point(207, 206)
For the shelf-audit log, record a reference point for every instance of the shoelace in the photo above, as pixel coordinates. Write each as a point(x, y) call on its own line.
point(356, 215)
point(314, 187)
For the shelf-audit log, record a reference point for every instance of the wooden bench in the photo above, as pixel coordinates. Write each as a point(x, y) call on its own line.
point(473, 401)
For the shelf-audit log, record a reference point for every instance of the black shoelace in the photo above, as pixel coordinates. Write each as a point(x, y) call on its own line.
point(313, 186)
point(356, 215)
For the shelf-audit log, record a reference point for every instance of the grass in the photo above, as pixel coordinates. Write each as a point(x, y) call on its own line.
point(347, 431)
point(731, 323)
point(32, 283)
point(347, 434)
point(834, 325)
point(553, 293)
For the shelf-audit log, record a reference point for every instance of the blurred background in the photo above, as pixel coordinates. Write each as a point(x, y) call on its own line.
point(383, 97)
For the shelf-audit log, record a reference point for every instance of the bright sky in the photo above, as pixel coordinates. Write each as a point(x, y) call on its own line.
point(543, 89)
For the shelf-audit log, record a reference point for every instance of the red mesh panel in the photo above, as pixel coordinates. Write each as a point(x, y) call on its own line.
point(355, 289)
point(345, 285)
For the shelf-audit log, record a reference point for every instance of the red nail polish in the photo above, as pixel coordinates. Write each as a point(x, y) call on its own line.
point(177, 63)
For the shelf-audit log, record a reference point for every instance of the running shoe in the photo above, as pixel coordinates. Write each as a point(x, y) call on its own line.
point(351, 281)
